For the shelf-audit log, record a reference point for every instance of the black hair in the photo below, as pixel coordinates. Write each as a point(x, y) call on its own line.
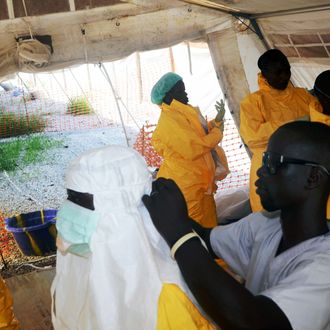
point(273, 59)
point(314, 135)
point(322, 84)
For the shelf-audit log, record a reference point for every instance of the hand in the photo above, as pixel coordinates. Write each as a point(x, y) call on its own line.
point(220, 107)
point(220, 125)
point(168, 210)
point(303, 118)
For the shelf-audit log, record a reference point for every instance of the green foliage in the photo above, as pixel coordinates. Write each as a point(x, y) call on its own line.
point(14, 125)
point(24, 151)
point(79, 106)
point(9, 154)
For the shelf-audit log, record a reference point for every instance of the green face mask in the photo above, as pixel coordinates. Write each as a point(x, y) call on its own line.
point(76, 225)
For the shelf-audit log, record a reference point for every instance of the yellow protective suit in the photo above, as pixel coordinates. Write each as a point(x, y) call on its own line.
point(186, 149)
point(176, 311)
point(261, 113)
point(317, 115)
point(7, 318)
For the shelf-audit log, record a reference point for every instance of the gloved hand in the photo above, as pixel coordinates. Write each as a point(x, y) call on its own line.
point(168, 210)
point(303, 118)
point(220, 125)
point(220, 107)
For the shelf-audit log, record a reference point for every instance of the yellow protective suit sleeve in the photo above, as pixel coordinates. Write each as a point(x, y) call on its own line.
point(177, 312)
point(186, 142)
point(185, 138)
point(7, 318)
point(253, 128)
point(262, 112)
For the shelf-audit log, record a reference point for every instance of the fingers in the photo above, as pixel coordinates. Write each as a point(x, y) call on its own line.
point(220, 106)
point(162, 183)
point(159, 184)
point(170, 184)
point(154, 185)
point(146, 201)
point(159, 187)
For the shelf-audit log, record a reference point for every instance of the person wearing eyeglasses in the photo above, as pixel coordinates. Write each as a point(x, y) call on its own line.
point(274, 104)
point(320, 111)
point(282, 254)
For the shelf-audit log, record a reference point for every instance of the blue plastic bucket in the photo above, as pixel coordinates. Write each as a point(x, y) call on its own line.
point(34, 232)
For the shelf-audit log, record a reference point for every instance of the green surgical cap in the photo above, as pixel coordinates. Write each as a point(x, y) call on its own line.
point(162, 86)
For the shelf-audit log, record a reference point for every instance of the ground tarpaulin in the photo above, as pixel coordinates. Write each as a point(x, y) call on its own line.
point(32, 300)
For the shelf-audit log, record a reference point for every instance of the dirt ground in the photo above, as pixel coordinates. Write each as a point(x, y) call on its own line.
point(32, 299)
point(25, 265)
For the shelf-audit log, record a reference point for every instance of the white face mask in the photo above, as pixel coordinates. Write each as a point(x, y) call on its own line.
point(76, 225)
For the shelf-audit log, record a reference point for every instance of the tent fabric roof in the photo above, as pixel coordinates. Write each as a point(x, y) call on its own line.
point(105, 30)
point(21, 8)
point(107, 33)
point(260, 6)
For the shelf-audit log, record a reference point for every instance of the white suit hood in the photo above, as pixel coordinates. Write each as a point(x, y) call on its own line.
point(117, 287)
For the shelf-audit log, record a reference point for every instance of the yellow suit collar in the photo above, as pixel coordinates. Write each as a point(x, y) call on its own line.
point(179, 107)
point(264, 86)
point(317, 115)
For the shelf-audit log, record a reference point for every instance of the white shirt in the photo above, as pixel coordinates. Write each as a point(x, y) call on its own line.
point(297, 280)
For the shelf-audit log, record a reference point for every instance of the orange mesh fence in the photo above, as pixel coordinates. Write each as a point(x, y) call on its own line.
point(8, 246)
point(144, 147)
point(238, 160)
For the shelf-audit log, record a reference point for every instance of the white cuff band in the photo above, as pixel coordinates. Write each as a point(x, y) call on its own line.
point(183, 240)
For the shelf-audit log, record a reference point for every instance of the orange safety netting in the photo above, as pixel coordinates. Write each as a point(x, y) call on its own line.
point(8, 247)
point(144, 147)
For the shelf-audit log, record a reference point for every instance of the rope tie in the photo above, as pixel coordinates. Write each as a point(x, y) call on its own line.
point(31, 54)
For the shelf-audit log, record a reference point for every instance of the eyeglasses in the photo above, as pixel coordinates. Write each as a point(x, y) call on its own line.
point(273, 161)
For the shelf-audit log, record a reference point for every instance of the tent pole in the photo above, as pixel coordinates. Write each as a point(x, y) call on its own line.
point(62, 89)
point(123, 104)
point(172, 59)
point(189, 58)
point(106, 75)
point(139, 75)
point(39, 82)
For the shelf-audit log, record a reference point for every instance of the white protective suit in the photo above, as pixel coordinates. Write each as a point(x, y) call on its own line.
point(118, 285)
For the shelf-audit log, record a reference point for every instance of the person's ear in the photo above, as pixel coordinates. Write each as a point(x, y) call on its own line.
point(315, 178)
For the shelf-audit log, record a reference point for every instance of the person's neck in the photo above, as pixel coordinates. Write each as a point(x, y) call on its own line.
point(302, 222)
